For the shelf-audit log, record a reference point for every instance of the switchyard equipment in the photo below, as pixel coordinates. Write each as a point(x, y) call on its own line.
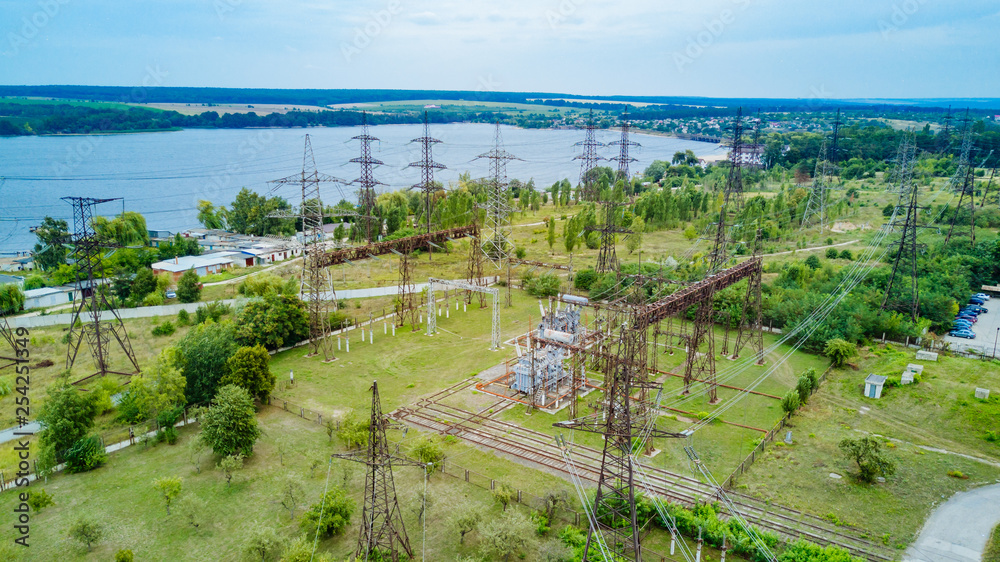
point(433, 283)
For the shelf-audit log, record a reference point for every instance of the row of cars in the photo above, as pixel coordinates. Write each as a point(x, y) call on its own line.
point(968, 316)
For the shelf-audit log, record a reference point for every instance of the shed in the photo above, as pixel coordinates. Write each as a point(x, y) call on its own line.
point(47, 296)
point(910, 372)
point(873, 385)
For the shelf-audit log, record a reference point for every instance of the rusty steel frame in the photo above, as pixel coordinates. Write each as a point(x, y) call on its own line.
point(418, 242)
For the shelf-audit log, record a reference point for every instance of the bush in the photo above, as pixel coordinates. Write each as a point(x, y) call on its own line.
point(39, 499)
point(846, 255)
point(337, 509)
point(124, 556)
point(86, 454)
point(183, 318)
point(229, 425)
point(790, 402)
point(585, 279)
point(152, 299)
point(165, 329)
point(545, 285)
point(520, 253)
point(428, 450)
point(831, 253)
point(211, 311)
point(339, 320)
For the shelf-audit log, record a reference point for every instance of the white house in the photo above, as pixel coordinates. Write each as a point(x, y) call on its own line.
point(202, 265)
point(47, 296)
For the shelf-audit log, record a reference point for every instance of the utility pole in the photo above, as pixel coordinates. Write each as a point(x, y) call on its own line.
point(496, 242)
point(427, 166)
point(371, 224)
point(589, 158)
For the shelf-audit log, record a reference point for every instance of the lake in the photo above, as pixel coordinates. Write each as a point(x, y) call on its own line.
point(163, 175)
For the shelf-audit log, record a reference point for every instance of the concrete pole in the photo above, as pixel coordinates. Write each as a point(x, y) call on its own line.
point(338, 343)
point(697, 554)
point(394, 330)
point(348, 345)
point(723, 559)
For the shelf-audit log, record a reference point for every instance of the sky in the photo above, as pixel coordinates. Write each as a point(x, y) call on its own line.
point(714, 48)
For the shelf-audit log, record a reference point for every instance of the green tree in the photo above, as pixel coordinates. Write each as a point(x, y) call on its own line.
point(124, 555)
point(690, 233)
point(427, 450)
point(292, 495)
point(634, 241)
point(168, 488)
point(831, 253)
point(11, 299)
point(846, 255)
point(354, 432)
point(143, 284)
point(229, 425)
point(571, 233)
point(229, 465)
point(250, 214)
point(790, 402)
point(804, 388)
point(209, 216)
point(204, 352)
point(503, 536)
point(839, 351)
point(262, 541)
point(503, 493)
point(50, 251)
point(336, 508)
point(127, 229)
point(188, 287)
point(467, 517)
point(67, 416)
point(274, 321)
point(812, 262)
point(249, 369)
point(160, 388)
point(550, 237)
point(867, 453)
point(87, 532)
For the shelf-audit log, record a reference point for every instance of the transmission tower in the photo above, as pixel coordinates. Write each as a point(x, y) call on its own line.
point(944, 137)
point(834, 145)
point(905, 258)
point(750, 327)
point(474, 267)
point(590, 158)
point(9, 344)
point(815, 213)
point(427, 166)
point(497, 243)
point(316, 288)
point(86, 323)
point(965, 200)
point(407, 309)
point(703, 329)
point(371, 224)
point(623, 157)
point(957, 182)
point(382, 532)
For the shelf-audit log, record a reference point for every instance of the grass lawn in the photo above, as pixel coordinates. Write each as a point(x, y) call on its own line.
point(121, 498)
point(939, 412)
point(992, 552)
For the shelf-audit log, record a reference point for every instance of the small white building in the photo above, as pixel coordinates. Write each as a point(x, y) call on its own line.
point(202, 265)
point(47, 296)
point(873, 385)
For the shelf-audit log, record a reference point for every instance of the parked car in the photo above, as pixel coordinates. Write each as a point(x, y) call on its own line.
point(970, 318)
point(977, 309)
point(978, 301)
point(961, 324)
point(983, 296)
point(968, 334)
point(171, 295)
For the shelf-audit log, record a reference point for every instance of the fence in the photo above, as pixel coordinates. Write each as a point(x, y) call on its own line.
point(768, 437)
point(113, 440)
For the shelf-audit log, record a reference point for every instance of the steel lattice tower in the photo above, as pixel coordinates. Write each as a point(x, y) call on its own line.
point(704, 321)
point(966, 199)
point(750, 329)
point(88, 249)
point(589, 158)
point(834, 145)
point(905, 257)
point(944, 137)
point(371, 224)
point(316, 288)
point(623, 157)
point(382, 531)
point(496, 231)
point(407, 309)
point(474, 267)
point(957, 182)
point(427, 166)
point(607, 260)
point(816, 204)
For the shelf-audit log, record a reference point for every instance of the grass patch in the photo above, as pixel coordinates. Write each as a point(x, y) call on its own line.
point(992, 552)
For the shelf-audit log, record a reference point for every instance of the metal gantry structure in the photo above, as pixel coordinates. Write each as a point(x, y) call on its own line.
point(432, 312)
point(496, 241)
point(474, 264)
point(370, 223)
point(316, 287)
point(815, 212)
point(427, 167)
point(904, 220)
point(382, 532)
point(964, 182)
point(86, 323)
point(589, 159)
point(407, 309)
point(624, 145)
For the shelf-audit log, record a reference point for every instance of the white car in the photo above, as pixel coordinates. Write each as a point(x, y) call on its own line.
point(983, 296)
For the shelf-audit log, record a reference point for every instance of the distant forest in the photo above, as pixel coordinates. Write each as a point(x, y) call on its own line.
point(63, 118)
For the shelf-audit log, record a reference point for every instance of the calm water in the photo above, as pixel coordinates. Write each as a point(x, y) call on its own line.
point(163, 175)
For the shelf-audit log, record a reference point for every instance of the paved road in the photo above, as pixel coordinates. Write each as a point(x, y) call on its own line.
point(958, 529)
point(987, 330)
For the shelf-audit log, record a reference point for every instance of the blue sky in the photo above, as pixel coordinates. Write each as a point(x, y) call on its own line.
point(722, 48)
